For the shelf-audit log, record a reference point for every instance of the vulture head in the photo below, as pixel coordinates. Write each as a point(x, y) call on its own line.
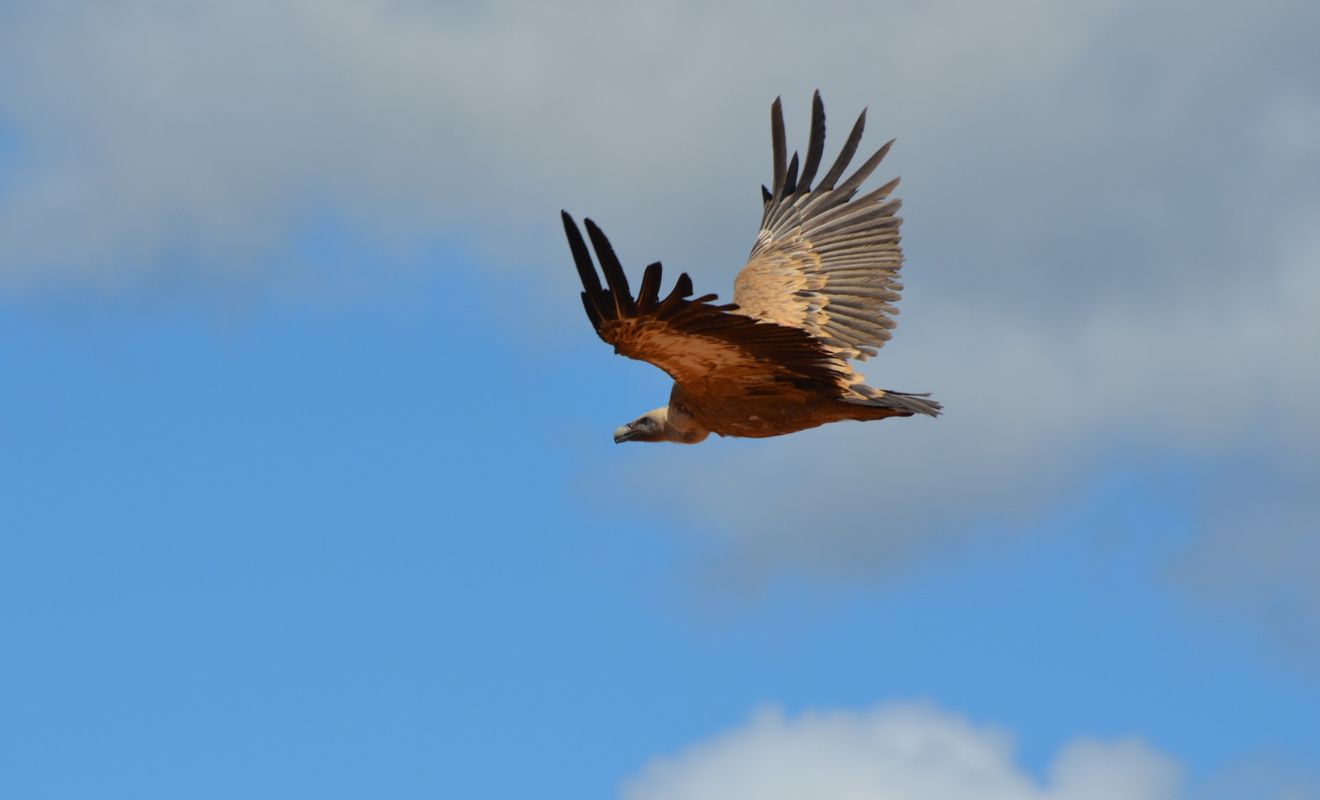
point(657, 426)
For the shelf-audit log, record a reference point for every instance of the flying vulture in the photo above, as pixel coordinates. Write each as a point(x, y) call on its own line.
point(817, 291)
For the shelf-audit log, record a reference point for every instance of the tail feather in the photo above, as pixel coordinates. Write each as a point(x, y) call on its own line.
point(900, 401)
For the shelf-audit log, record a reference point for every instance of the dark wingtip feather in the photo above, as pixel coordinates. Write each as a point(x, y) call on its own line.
point(682, 288)
point(864, 171)
point(846, 154)
point(815, 143)
point(766, 197)
point(779, 147)
point(592, 313)
point(884, 149)
point(648, 294)
point(683, 285)
point(594, 292)
point(790, 179)
point(613, 269)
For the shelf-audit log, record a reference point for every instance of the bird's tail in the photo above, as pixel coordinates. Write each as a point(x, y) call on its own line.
point(902, 402)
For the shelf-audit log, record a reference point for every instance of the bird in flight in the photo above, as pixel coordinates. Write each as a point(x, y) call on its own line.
point(817, 291)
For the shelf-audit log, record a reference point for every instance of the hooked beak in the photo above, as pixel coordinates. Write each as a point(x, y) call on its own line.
point(624, 433)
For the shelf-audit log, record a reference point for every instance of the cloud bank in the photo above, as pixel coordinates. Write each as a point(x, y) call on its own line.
point(146, 132)
point(1110, 221)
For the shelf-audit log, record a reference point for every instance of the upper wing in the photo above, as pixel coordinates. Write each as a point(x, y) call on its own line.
point(823, 261)
point(705, 347)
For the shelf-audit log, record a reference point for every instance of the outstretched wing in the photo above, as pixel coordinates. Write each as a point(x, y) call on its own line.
point(704, 347)
point(823, 261)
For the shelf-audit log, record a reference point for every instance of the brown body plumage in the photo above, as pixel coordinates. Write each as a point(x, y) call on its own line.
point(817, 291)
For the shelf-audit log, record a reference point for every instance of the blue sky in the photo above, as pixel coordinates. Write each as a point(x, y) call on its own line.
point(292, 554)
point(307, 486)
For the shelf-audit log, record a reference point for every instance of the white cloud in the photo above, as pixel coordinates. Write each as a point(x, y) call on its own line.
point(896, 752)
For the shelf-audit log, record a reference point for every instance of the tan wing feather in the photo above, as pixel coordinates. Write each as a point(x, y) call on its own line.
point(823, 261)
point(704, 347)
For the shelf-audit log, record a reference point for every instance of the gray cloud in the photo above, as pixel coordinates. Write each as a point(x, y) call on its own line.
point(1032, 405)
point(1110, 217)
point(214, 130)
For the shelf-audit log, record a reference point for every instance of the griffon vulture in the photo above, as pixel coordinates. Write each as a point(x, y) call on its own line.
point(817, 291)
